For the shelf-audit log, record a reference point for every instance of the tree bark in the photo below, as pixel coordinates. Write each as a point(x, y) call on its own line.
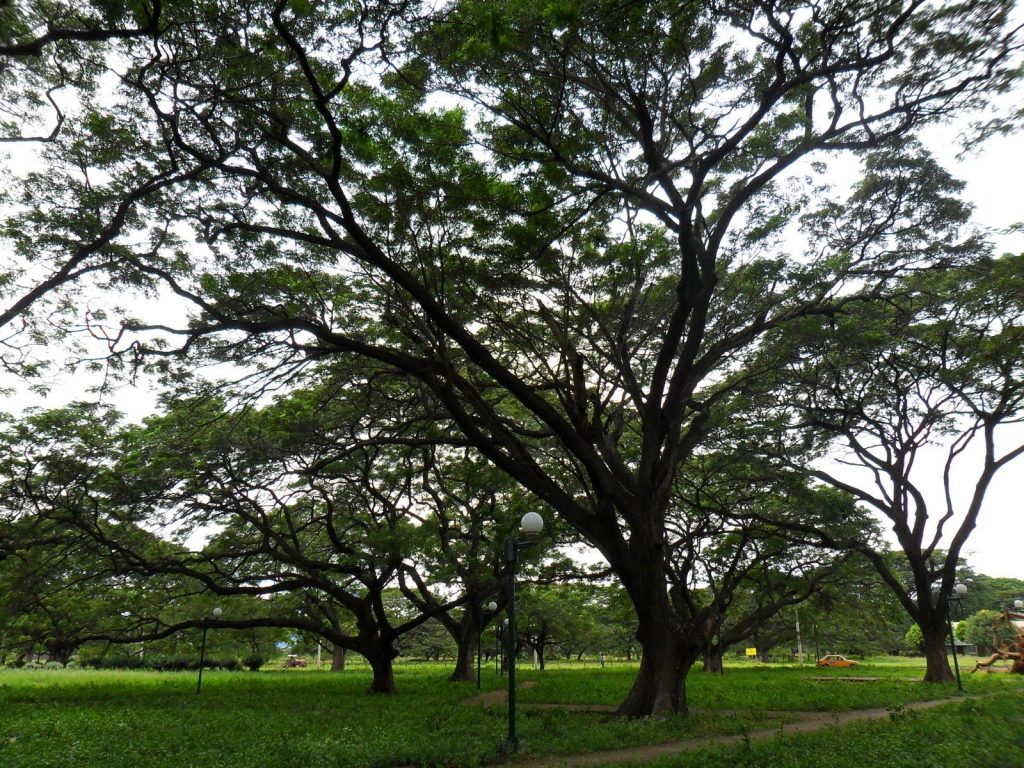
point(465, 660)
point(713, 659)
point(383, 674)
point(937, 669)
point(338, 655)
point(380, 654)
point(660, 685)
point(669, 644)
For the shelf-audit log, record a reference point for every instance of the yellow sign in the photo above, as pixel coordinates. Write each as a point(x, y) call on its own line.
point(751, 651)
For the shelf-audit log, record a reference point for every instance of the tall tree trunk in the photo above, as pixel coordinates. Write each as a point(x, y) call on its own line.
point(338, 655)
point(669, 644)
point(937, 669)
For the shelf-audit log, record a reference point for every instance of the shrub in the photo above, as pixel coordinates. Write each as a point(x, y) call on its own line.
point(914, 639)
point(177, 664)
point(253, 662)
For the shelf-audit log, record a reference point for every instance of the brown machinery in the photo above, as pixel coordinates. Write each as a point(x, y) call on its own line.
point(1013, 652)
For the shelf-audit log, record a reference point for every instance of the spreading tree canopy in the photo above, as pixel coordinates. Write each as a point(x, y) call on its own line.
point(564, 222)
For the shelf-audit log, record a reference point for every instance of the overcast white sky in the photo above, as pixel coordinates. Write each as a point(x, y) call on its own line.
point(995, 179)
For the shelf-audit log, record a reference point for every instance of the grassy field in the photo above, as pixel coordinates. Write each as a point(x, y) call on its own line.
point(276, 718)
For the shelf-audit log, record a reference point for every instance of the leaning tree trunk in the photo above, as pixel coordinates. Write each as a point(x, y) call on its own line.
point(937, 669)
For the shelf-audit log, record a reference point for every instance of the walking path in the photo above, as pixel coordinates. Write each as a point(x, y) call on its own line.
point(806, 722)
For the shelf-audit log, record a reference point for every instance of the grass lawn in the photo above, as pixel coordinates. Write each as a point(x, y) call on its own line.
point(89, 719)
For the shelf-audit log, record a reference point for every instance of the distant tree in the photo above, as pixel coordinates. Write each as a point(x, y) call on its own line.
point(561, 616)
point(988, 592)
point(297, 507)
point(465, 508)
point(743, 564)
point(617, 625)
point(848, 610)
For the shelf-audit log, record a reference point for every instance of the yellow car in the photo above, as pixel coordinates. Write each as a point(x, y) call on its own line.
point(835, 660)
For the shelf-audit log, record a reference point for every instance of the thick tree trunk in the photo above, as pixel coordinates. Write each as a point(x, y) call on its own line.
point(465, 661)
point(380, 655)
point(660, 685)
point(937, 669)
point(338, 655)
point(383, 675)
point(713, 659)
point(668, 647)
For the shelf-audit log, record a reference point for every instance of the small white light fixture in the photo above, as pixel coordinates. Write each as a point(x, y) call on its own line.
point(1018, 604)
point(532, 523)
point(960, 590)
point(492, 606)
point(217, 612)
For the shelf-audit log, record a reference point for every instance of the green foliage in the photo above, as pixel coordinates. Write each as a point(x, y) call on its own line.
point(989, 592)
point(914, 639)
point(980, 630)
point(253, 662)
point(968, 734)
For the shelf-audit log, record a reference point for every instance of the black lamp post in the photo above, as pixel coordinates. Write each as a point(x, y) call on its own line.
point(531, 524)
point(202, 647)
point(956, 596)
point(490, 608)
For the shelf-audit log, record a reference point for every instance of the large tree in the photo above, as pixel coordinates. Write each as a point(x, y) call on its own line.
point(919, 397)
point(577, 278)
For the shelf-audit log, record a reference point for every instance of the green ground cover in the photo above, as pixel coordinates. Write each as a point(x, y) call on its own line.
point(973, 733)
point(128, 719)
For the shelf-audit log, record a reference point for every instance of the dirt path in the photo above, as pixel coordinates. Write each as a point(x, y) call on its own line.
point(806, 722)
